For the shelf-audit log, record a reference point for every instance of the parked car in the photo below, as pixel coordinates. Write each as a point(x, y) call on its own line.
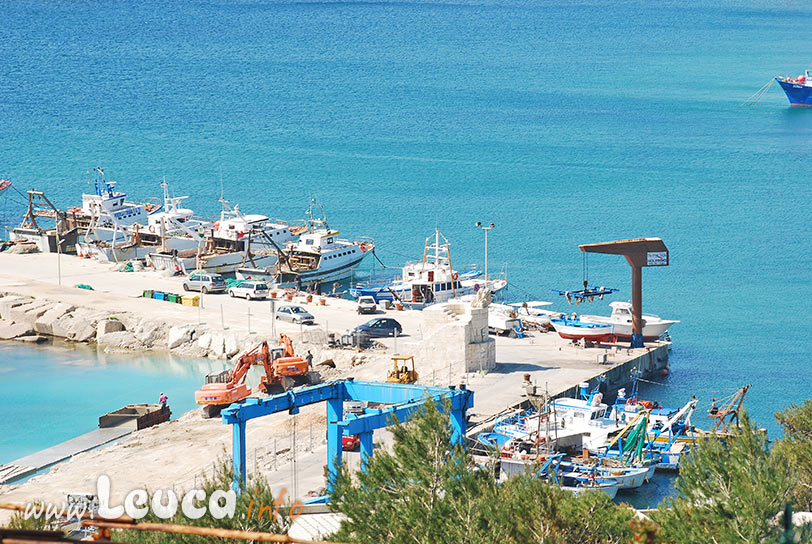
point(382, 326)
point(205, 282)
point(250, 290)
point(350, 442)
point(294, 314)
point(367, 305)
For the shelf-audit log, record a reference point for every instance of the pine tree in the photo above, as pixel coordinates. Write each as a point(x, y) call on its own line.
point(728, 490)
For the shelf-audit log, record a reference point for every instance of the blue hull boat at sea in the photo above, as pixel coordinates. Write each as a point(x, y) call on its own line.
point(798, 89)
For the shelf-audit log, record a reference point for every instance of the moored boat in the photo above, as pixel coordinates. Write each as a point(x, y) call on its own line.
point(654, 327)
point(431, 280)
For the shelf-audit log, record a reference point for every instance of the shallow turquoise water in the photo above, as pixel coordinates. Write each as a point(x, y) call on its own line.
point(561, 122)
point(55, 393)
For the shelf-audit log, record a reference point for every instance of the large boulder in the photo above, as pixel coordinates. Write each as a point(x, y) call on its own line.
point(179, 336)
point(217, 345)
point(120, 341)
point(15, 330)
point(28, 313)
point(45, 323)
point(204, 341)
point(151, 333)
point(81, 330)
point(230, 346)
point(107, 326)
point(9, 302)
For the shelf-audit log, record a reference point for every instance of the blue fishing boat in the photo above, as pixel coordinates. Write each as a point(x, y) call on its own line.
point(575, 329)
point(798, 89)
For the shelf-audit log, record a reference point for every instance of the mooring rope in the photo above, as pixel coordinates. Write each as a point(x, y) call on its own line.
point(756, 96)
point(379, 260)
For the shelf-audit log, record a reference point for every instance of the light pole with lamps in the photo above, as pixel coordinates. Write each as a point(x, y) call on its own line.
point(486, 229)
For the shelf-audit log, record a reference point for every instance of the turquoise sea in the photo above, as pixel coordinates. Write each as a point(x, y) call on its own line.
point(54, 393)
point(561, 122)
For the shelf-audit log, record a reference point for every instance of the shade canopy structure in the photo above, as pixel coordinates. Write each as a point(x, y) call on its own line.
point(639, 252)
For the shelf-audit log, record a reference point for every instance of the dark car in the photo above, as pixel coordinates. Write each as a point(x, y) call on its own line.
point(382, 326)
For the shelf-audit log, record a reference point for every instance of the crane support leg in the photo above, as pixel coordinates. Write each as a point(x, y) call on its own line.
point(366, 447)
point(238, 455)
point(637, 307)
point(335, 413)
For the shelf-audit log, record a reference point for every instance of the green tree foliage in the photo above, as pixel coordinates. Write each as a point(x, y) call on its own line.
point(258, 491)
point(426, 491)
point(728, 491)
point(39, 523)
point(795, 451)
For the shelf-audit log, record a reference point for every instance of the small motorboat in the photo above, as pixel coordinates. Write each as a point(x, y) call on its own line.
point(621, 319)
point(575, 329)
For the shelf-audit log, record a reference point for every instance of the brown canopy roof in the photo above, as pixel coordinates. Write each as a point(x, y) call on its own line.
point(638, 251)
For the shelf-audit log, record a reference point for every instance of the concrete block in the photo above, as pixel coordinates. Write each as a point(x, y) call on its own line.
point(10, 332)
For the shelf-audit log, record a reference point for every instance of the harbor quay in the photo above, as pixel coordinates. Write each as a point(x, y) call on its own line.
point(290, 450)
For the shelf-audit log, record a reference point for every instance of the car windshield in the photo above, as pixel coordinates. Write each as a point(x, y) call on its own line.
point(217, 278)
point(261, 286)
point(297, 310)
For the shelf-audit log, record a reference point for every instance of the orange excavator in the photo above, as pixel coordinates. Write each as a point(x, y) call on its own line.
point(283, 370)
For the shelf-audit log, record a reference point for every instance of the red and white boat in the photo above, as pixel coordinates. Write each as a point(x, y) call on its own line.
point(575, 329)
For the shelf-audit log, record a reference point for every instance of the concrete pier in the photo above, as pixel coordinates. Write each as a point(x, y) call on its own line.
point(492, 367)
point(25, 466)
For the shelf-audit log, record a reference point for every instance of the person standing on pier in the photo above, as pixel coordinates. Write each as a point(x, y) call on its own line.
point(162, 400)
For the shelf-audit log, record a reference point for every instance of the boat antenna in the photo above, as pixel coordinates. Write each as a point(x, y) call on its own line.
point(221, 184)
point(585, 270)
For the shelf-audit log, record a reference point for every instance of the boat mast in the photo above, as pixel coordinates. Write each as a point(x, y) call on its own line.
point(450, 270)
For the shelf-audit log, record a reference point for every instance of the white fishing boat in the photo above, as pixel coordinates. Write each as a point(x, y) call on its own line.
point(319, 255)
point(654, 327)
point(431, 280)
point(239, 240)
point(120, 230)
point(533, 312)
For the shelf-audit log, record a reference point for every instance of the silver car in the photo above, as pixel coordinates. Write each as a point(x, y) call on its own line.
point(250, 290)
point(294, 314)
point(205, 282)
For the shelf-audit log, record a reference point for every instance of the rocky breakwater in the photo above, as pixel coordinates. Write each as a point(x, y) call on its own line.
point(30, 319)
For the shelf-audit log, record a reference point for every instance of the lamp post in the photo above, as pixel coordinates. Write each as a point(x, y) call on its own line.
point(486, 229)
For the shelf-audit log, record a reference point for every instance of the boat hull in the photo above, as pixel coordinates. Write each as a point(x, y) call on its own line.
point(623, 331)
point(227, 263)
point(588, 331)
point(797, 94)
